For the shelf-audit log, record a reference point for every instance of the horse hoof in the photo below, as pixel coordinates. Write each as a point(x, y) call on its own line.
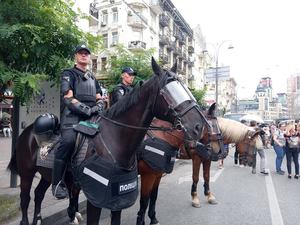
point(79, 216)
point(196, 205)
point(212, 201)
point(74, 222)
point(195, 202)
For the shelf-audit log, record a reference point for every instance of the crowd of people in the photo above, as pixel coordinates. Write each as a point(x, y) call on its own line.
point(283, 139)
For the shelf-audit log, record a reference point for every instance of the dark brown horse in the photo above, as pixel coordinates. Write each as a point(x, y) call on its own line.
point(150, 178)
point(122, 128)
point(233, 132)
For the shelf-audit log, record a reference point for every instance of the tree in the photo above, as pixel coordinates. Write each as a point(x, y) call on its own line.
point(140, 61)
point(199, 96)
point(37, 39)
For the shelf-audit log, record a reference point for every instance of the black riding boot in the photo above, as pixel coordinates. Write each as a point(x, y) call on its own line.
point(59, 189)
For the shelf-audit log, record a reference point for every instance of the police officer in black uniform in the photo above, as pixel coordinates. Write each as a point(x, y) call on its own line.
point(80, 99)
point(125, 86)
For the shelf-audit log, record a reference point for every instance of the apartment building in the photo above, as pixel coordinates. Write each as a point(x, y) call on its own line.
point(143, 24)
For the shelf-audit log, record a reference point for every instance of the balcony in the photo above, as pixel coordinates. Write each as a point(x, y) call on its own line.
point(137, 21)
point(180, 56)
point(190, 63)
point(164, 39)
point(164, 58)
point(94, 15)
point(164, 20)
point(176, 51)
point(171, 46)
point(191, 49)
point(191, 77)
point(136, 45)
point(181, 39)
point(154, 5)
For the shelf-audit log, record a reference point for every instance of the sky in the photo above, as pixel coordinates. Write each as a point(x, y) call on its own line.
point(265, 35)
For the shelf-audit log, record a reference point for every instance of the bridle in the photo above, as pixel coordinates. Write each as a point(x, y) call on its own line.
point(215, 135)
point(174, 109)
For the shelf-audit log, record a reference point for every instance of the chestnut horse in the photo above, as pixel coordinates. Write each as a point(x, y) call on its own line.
point(122, 129)
point(150, 178)
point(244, 138)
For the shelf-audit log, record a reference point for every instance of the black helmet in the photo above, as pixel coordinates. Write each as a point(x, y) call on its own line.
point(45, 124)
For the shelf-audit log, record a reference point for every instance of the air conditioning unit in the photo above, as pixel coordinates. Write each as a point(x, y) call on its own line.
point(112, 1)
point(103, 24)
point(129, 13)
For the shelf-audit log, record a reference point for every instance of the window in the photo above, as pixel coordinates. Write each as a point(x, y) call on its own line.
point(105, 40)
point(115, 15)
point(115, 38)
point(103, 63)
point(94, 66)
point(104, 17)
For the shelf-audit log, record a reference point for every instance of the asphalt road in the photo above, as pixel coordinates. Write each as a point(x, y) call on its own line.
point(243, 198)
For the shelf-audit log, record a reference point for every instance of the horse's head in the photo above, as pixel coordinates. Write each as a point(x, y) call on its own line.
point(175, 103)
point(247, 148)
point(212, 136)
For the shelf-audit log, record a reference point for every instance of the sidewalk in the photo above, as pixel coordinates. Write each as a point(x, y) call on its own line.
point(52, 209)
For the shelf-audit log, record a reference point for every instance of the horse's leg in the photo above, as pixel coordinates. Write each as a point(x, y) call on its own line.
point(196, 168)
point(147, 182)
point(73, 190)
point(116, 217)
point(206, 175)
point(25, 186)
point(39, 194)
point(92, 214)
point(75, 195)
point(152, 204)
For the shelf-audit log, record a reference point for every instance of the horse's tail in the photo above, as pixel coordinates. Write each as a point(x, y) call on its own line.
point(12, 166)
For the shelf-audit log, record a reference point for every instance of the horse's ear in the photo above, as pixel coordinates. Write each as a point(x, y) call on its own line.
point(211, 110)
point(155, 67)
point(174, 67)
point(141, 82)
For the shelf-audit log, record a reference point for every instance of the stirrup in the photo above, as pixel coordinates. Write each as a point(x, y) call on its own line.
point(59, 191)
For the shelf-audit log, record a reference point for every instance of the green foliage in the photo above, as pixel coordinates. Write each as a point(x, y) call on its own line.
point(38, 38)
point(199, 96)
point(140, 61)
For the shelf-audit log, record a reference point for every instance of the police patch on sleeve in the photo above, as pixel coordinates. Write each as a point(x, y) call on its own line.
point(121, 91)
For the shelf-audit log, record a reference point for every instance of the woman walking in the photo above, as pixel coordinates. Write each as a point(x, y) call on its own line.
point(279, 146)
point(292, 151)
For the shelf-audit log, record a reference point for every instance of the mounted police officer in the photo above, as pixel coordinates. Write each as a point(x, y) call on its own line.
point(80, 99)
point(125, 86)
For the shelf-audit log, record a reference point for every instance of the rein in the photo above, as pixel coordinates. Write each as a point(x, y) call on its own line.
point(137, 127)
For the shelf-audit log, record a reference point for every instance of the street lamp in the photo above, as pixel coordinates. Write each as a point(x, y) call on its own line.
point(217, 48)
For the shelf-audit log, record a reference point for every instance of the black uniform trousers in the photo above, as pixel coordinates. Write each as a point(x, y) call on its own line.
point(67, 144)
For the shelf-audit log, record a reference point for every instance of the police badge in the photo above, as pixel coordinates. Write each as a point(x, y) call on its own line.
point(121, 91)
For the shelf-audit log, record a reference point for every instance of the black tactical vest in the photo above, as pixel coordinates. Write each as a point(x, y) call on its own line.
point(85, 88)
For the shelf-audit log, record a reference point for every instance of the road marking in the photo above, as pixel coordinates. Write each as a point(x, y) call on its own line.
point(273, 202)
point(188, 178)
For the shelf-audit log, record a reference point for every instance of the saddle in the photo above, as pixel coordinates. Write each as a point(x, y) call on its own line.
point(47, 147)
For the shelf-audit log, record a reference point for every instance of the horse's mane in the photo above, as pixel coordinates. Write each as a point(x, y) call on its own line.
point(232, 130)
point(129, 100)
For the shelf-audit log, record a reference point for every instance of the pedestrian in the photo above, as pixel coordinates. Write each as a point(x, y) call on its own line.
point(292, 150)
point(237, 159)
point(279, 146)
point(80, 99)
point(261, 153)
point(6, 127)
point(221, 161)
point(125, 86)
